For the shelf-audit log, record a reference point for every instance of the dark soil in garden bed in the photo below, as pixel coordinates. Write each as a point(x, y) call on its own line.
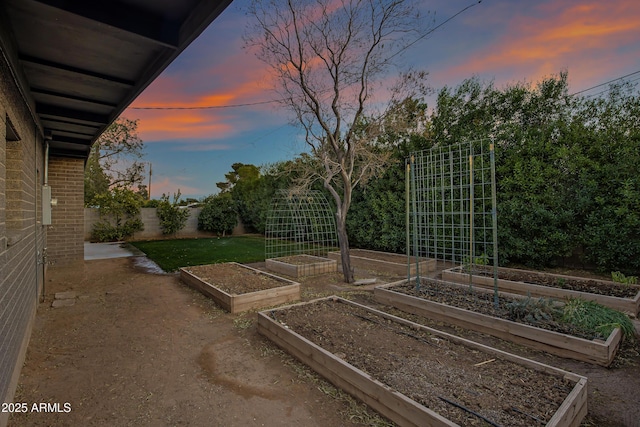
point(235, 279)
point(428, 369)
point(301, 259)
point(382, 256)
point(599, 287)
point(613, 400)
point(531, 311)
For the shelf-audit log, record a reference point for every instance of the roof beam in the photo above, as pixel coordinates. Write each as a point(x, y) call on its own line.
point(65, 152)
point(62, 122)
point(124, 17)
point(37, 91)
point(39, 62)
point(72, 114)
point(62, 133)
point(71, 140)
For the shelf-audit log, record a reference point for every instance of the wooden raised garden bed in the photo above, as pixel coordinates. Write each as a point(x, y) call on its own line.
point(301, 265)
point(593, 351)
point(559, 286)
point(236, 287)
point(418, 376)
point(385, 261)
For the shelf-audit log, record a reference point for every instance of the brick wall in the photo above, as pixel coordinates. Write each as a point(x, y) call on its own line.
point(65, 237)
point(14, 183)
point(22, 237)
point(3, 196)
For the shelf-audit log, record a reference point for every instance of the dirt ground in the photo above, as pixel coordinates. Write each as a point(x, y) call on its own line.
point(140, 348)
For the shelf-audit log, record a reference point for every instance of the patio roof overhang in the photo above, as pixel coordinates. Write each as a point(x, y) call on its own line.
point(80, 63)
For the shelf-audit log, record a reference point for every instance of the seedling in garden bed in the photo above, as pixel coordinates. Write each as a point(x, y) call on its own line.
point(622, 297)
point(561, 282)
point(483, 259)
point(619, 277)
point(535, 323)
point(534, 310)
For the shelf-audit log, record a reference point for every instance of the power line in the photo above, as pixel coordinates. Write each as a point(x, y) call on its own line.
point(593, 95)
point(431, 31)
point(605, 83)
point(207, 107)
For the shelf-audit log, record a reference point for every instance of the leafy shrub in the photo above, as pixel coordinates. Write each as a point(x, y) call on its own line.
point(218, 215)
point(172, 217)
point(153, 203)
point(119, 209)
point(377, 216)
point(104, 231)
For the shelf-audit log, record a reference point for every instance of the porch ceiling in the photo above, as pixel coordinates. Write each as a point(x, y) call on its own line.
point(80, 63)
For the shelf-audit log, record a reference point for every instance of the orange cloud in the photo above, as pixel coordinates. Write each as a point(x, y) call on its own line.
point(172, 107)
point(155, 125)
point(581, 38)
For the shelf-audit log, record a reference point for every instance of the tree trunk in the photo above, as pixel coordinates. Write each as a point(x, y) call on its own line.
point(343, 242)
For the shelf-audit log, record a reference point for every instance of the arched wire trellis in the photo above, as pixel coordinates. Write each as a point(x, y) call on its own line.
point(300, 222)
point(451, 198)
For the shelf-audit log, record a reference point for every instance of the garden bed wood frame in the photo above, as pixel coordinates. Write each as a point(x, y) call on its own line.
point(592, 351)
point(235, 303)
point(627, 305)
point(392, 404)
point(318, 265)
point(365, 259)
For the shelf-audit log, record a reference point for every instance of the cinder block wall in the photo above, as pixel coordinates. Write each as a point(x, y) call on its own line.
point(22, 236)
point(66, 234)
point(152, 228)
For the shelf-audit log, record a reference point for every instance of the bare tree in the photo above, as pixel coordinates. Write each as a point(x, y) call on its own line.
point(327, 57)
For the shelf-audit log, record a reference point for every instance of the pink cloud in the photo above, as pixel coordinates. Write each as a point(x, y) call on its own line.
point(171, 186)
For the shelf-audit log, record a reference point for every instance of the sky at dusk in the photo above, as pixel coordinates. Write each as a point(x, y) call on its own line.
point(503, 41)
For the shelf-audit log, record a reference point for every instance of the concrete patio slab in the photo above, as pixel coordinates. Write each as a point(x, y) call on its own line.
point(109, 250)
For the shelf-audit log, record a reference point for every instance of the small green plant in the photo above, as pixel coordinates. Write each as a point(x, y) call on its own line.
point(534, 310)
point(172, 217)
point(560, 282)
point(596, 318)
point(619, 277)
point(482, 259)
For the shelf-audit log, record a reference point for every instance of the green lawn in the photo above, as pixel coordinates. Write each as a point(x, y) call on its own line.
point(173, 254)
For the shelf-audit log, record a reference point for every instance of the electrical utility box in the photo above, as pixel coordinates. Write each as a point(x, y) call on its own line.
point(46, 205)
